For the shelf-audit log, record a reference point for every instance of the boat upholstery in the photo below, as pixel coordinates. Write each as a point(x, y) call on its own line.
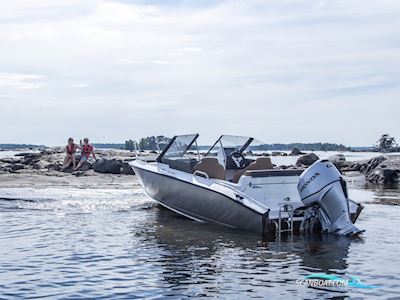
point(261, 163)
point(211, 167)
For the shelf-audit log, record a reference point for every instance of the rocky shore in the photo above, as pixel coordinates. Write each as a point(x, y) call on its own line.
point(383, 169)
point(45, 166)
point(51, 159)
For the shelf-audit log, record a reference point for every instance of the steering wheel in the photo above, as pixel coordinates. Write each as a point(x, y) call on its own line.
point(236, 160)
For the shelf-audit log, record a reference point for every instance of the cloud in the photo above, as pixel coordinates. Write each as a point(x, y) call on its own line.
point(21, 81)
point(270, 69)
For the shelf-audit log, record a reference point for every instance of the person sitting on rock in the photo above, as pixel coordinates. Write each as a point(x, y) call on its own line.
point(87, 150)
point(70, 150)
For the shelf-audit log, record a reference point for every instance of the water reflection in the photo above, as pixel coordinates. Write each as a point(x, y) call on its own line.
point(217, 260)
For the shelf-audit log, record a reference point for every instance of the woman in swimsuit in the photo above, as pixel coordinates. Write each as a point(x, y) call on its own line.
point(70, 150)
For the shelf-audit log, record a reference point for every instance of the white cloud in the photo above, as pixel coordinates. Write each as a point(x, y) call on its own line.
point(271, 69)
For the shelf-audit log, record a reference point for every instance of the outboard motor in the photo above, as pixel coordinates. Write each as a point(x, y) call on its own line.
point(322, 186)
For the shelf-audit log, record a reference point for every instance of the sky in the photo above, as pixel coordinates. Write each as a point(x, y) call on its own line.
point(281, 71)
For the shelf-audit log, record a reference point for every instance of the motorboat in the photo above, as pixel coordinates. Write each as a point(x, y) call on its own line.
point(232, 185)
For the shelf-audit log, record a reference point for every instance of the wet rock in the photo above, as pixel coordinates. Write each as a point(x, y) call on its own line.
point(296, 151)
point(307, 160)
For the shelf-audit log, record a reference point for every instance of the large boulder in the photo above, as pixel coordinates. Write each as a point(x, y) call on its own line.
point(307, 160)
point(104, 165)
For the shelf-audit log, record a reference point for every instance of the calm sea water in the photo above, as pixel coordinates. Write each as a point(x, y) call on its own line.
point(119, 244)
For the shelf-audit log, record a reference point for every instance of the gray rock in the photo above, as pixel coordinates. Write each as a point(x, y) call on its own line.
point(372, 164)
point(296, 151)
point(338, 159)
point(127, 169)
point(383, 176)
point(28, 154)
point(307, 160)
point(276, 153)
point(104, 165)
point(86, 167)
point(16, 167)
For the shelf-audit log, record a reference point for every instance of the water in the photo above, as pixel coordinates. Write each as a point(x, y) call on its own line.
point(117, 243)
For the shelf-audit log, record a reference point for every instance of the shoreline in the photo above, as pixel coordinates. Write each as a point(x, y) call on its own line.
point(42, 169)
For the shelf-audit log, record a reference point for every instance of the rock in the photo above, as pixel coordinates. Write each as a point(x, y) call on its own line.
point(355, 167)
point(296, 151)
point(40, 165)
point(16, 167)
point(127, 169)
point(11, 160)
point(338, 159)
point(276, 153)
point(28, 154)
point(383, 176)
point(85, 167)
point(307, 160)
point(372, 164)
point(103, 165)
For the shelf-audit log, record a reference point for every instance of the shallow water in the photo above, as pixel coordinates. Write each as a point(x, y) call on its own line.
point(118, 243)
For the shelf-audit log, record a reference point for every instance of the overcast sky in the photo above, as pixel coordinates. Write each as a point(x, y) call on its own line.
point(282, 71)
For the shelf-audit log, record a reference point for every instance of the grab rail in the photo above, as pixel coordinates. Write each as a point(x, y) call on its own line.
point(201, 174)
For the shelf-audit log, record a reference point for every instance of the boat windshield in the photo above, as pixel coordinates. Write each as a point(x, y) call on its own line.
point(230, 143)
point(177, 147)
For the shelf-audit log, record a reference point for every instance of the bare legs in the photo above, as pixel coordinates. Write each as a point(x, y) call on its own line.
point(73, 161)
point(67, 162)
point(81, 162)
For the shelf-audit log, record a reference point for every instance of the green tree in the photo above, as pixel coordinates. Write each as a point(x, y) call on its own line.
point(386, 143)
point(130, 145)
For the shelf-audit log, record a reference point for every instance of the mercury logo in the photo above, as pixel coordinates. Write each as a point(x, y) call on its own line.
point(308, 181)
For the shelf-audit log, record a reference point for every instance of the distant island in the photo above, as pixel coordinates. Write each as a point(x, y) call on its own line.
point(159, 142)
point(302, 147)
point(156, 143)
point(20, 146)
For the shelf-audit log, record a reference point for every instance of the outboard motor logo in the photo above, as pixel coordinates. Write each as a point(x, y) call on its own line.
point(309, 181)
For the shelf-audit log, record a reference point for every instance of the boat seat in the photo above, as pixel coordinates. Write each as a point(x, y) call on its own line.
point(211, 167)
point(261, 163)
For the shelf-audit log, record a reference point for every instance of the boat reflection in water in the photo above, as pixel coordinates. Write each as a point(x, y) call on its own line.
point(198, 260)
